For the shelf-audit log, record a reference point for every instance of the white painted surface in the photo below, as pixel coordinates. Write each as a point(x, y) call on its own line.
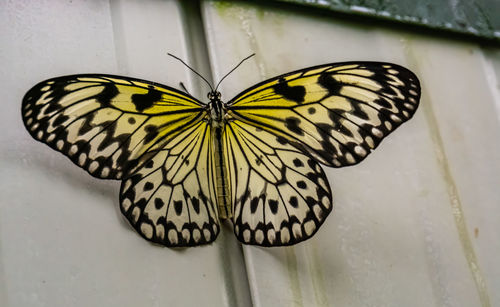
point(415, 224)
point(403, 229)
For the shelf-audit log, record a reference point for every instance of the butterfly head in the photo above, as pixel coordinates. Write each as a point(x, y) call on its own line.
point(214, 95)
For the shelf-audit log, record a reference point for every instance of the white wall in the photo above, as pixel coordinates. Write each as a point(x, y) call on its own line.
point(415, 224)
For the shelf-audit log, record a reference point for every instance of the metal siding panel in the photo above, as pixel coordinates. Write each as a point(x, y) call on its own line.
point(394, 238)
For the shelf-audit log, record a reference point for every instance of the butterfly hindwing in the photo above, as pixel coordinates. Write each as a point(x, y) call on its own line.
point(170, 199)
point(280, 195)
point(337, 113)
point(104, 123)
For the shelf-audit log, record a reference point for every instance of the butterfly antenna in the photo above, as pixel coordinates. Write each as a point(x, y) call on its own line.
point(192, 70)
point(233, 70)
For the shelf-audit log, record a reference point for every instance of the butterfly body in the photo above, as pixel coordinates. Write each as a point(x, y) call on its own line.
point(254, 160)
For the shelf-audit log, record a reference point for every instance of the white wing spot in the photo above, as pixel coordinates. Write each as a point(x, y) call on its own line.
point(35, 125)
point(359, 150)
point(172, 236)
point(369, 141)
point(326, 202)
point(136, 212)
point(60, 144)
point(297, 232)
point(395, 118)
point(246, 235)
point(45, 88)
point(82, 159)
point(73, 149)
point(318, 212)
point(126, 203)
point(388, 125)
point(93, 166)
point(207, 234)
point(147, 230)
point(105, 171)
point(271, 236)
point(39, 134)
point(196, 235)
point(376, 132)
point(186, 234)
point(349, 158)
point(127, 184)
point(408, 105)
point(51, 137)
point(309, 227)
point(160, 231)
point(285, 235)
point(259, 236)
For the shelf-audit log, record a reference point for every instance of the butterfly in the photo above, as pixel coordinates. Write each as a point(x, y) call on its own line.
point(256, 160)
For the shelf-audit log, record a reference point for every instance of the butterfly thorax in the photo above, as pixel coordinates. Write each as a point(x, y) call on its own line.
point(217, 113)
point(216, 107)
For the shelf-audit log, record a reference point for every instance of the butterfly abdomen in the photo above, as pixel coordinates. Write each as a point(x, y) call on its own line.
point(222, 187)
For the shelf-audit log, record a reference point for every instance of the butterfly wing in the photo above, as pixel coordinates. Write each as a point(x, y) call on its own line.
point(337, 113)
point(280, 195)
point(135, 130)
point(333, 114)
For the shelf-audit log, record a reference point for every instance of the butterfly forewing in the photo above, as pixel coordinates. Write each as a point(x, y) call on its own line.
point(337, 113)
point(105, 123)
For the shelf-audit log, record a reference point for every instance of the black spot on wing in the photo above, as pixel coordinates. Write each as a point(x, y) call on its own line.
point(196, 205)
point(273, 205)
point(329, 83)
point(292, 123)
point(149, 164)
point(148, 186)
point(294, 93)
point(178, 207)
point(145, 101)
point(297, 162)
point(151, 133)
point(108, 93)
point(159, 203)
point(254, 203)
point(282, 140)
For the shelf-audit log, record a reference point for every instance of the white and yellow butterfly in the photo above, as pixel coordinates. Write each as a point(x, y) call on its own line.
point(255, 160)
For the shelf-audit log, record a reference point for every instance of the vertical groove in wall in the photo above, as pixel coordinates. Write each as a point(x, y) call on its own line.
point(452, 190)
point(118, 37)
point(293, 276)
point(316, 272)
point(197, 48)
point(231, 258)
